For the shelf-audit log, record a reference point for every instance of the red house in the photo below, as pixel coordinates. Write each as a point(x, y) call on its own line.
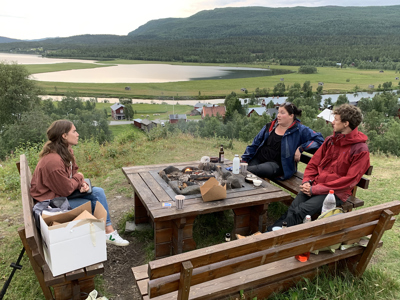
point(212, 111)
point(117, 111)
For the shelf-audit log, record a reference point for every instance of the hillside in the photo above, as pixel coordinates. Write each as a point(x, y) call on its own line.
point(265, 21)
point(7, 40)
point(364, 37)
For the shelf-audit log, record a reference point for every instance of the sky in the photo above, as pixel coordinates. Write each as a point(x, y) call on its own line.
point(30, 19)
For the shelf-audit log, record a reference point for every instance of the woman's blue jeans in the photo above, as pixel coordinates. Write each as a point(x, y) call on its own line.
point(96, 195)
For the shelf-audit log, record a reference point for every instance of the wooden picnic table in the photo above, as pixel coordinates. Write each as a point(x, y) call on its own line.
point(173, 228)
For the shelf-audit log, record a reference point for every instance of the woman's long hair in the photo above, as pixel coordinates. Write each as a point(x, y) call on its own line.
point(56, 143)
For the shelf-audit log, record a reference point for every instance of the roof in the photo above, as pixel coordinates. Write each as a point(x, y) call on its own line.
point(137, 120)
point(116, 106)
point(214, 110)
point(177, 117)
point(146, 122)
point(258, 110)
point(199, 104)
point(327, 115)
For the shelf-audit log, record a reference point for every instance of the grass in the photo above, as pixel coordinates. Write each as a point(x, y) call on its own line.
point(131, 147)
point(335, 80)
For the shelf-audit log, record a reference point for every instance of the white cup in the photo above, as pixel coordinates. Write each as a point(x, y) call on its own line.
point(179, 201)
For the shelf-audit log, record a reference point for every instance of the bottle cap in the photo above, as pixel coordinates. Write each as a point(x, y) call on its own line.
point(236, 155)
point(331, 192)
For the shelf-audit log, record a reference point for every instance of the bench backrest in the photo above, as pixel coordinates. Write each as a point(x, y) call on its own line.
point(33, 236)
point(221, 260)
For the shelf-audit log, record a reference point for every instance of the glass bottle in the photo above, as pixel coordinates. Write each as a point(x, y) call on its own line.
point(306, 255)
point(221, 155)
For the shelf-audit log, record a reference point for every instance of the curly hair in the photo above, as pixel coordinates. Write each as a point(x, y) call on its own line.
point(349, 113)
point(56, 143)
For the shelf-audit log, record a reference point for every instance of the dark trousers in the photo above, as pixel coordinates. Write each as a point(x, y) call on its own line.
point(268, 169)
point(302, 206)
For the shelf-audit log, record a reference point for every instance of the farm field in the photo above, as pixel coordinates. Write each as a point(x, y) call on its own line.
point(335, 81)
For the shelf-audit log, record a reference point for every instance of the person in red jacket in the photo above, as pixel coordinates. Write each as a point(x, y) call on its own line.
point(337, 165)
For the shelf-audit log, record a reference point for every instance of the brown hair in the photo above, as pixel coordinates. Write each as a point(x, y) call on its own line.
point(56, 143)
point(349, 113)
point(291, 109)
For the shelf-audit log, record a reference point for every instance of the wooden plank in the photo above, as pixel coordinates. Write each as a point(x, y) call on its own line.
point(141, 213)
point(142, 286)
point(50, 279)
point(162, 250)
point(232, 265)
point(237, 248)
point(94, 269)
point(72, 289)
point(184, 281)
point(155, 187)
point(197, 206)
point(139, 169)
point(261, 275)
point(74, 275)
point(142, 189)
point(140, 272)
point(373, 242)
point(32, 236)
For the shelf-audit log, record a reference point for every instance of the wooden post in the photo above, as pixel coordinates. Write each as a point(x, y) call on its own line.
point(185, 279)
point(373, 242)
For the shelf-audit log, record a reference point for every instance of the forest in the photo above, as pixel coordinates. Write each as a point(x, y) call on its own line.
point(362, 37)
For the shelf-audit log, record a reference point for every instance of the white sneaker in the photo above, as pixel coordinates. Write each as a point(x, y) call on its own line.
point(114, 238)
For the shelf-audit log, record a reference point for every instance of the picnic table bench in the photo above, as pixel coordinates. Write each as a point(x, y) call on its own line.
point(293, 185)
point(263, 264)
point(72, 285)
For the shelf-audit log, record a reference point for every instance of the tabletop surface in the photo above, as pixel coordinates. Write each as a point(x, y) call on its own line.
point(152, 194)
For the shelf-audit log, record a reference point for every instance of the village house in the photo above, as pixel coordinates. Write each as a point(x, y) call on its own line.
point(137, 123)
point(272, 112)
point(117, 111)
point(213, 110)
point(147, 125)
point(175, 118)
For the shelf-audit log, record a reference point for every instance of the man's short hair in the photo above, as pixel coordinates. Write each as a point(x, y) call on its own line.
point(349, 113)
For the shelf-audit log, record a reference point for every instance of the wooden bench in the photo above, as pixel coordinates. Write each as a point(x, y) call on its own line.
point(263, 264)
point(76, 284)
point(293, 185)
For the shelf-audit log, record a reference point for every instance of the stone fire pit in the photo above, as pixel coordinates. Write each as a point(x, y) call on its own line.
point(187, 181)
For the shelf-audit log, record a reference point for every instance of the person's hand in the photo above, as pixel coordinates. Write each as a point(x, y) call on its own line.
point(79, 173)
point(306, 188)
point(297, 155)
point(84, 188)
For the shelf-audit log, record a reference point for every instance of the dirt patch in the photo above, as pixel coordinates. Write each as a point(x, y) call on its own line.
point(117, 269)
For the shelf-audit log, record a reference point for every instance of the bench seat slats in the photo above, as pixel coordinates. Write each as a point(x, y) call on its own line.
point(206, 273)
point(262, 275)
point(212, 254)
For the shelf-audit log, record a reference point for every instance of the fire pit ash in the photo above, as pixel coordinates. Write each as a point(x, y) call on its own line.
point(187, 181)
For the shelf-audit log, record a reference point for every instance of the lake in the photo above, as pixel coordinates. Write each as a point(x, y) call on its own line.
point(137, 73)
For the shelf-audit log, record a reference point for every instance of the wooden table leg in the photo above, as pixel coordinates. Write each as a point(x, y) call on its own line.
point(248, 220)
point(141, 215)
point(241, 221)
point(257, 218)
point(163, 238)
point(182, 235)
